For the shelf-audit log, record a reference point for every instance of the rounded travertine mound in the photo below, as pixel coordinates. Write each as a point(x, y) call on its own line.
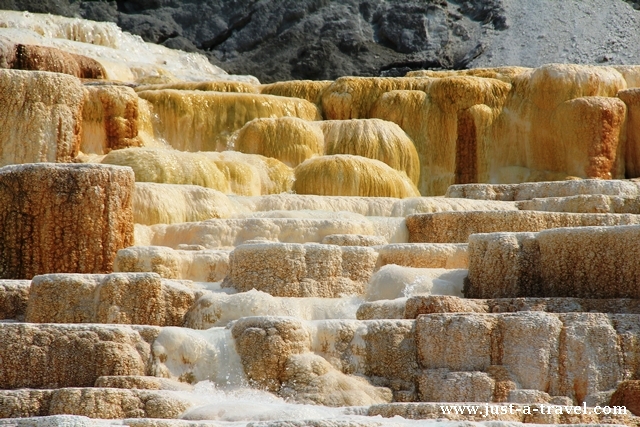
point(265, 344)
point(456, 227)
point(170, 167)
point(40, 117)
point(155, 203)
point(288, 139)
point(253, 174)
point(374, 139)
point(69, 218)
point(295, 270)
point(353, 97)
point(213, 116)
point(347, 175)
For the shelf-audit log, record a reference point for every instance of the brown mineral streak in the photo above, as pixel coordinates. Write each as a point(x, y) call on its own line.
point(63, 218)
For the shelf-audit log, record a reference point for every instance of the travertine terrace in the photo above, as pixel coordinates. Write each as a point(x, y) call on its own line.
point(183, 247)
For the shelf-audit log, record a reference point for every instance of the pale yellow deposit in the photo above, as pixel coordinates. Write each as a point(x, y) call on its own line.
point(204, 120)
point(348, 175)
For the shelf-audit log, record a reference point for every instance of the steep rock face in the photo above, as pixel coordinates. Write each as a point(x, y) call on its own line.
point(106, 403)
point(83, 214)
point(294, 270)
point(70, 355)
point(584, 262)
point(457, 227)
point(310, 39)
point(122, 298)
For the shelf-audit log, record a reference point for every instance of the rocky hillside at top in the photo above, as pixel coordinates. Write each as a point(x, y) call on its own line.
point(324, 39)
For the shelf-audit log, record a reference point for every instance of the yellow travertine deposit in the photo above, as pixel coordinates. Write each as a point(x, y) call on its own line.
point(253, 174)
point(120, 298)
point(170, 167)
point(172, 203)
point(40, 117)
point(448, 122)
point(294, 270)
point(348, 175)
point(213, 86)
point(374, 139)
point(311, 90)
point(456, 227)
point(353, 97)
point(228, 172)
point(630, 73)
point(82, 214)
point(542, 129)
point(111, 120)
point(506, 74)
point(203, 265)
point(75, 355)
point(288, 139)
point(204, 120)
point(555, 263)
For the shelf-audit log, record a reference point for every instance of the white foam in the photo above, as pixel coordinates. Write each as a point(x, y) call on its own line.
point(393, 281)
point(218, 309)
point(195, 355)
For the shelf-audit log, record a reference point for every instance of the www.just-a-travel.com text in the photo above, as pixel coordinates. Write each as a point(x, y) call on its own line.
point(488, 410)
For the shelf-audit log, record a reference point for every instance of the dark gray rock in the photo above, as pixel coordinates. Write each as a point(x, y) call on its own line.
point(302, 39)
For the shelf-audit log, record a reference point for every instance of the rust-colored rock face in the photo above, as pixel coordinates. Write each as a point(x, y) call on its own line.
point(43, 58)
point(58, 218)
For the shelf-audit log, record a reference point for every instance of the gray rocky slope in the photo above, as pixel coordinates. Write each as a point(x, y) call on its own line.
point(325, 39)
